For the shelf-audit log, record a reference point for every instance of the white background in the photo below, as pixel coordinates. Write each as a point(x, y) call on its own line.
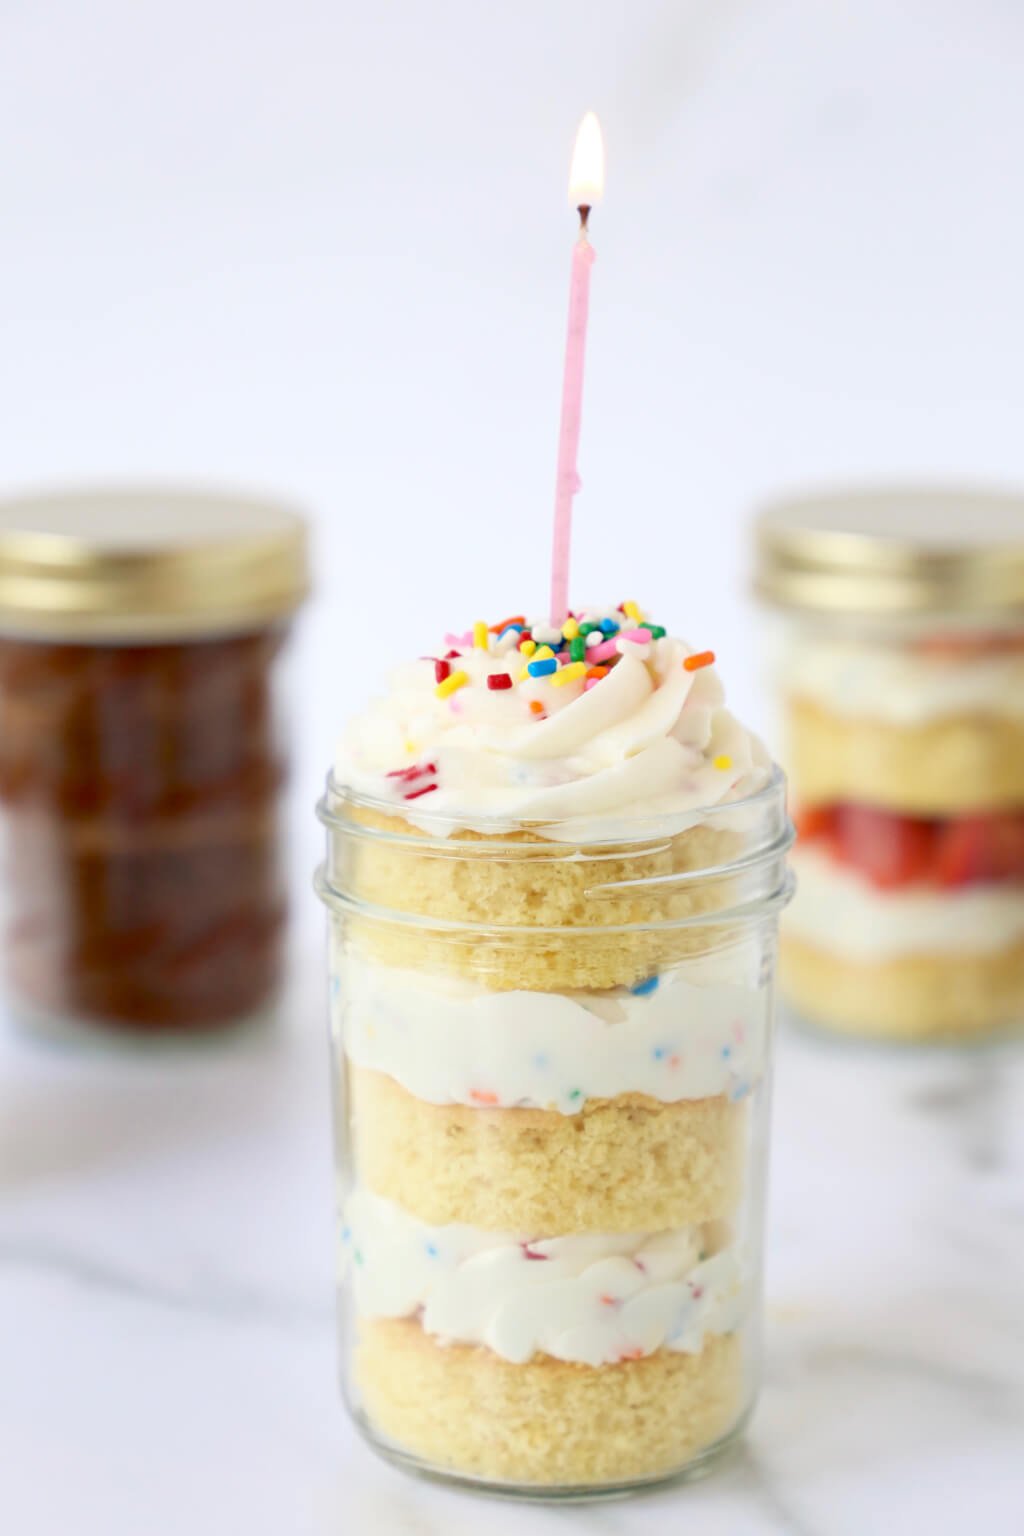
point(323, 248)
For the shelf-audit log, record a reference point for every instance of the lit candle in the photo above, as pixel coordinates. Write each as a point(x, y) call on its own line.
point(586, 184)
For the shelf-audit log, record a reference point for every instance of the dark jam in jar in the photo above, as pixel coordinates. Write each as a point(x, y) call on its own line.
point(140, 788)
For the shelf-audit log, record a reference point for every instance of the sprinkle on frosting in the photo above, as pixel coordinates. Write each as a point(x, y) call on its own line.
point(451, 683)
point(591, 1298)
point(606, 715)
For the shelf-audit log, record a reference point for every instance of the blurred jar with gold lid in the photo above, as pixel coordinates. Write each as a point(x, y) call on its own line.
point(142, 754)
point(896, 638)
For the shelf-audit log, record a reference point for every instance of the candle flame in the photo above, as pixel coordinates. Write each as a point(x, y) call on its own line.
point(586, 178)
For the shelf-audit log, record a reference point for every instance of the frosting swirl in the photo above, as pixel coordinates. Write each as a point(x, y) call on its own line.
point(696, 1031)
point(484, 735)
point(900, 685)
point(594, 1299)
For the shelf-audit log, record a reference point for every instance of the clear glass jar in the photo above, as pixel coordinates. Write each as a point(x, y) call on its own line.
point(551, 1069)
point(897, 644)
point(142, 757)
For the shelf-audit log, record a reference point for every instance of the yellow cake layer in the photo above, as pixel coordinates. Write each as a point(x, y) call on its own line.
point(629, 1164)
point(912, 997)
point(537, 962)
point(466, 1410)
point(543, 884)
point(937, 767)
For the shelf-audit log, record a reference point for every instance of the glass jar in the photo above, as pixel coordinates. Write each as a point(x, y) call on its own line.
point(141, 755)
point(896, 634)
point(551, 1064)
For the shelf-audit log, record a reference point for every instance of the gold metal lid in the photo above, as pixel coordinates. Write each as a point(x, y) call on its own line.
point(897, 550)
point(147, 562)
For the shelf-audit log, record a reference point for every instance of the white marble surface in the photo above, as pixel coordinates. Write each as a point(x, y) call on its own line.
point(323, 247)
point(166, 1303)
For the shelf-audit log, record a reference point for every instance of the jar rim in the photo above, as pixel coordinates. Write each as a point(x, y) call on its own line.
point(489, 830)
point(647, 835)
point(755, 910)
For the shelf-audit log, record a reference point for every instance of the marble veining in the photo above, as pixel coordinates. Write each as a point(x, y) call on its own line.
point(212, 1298)
point(166, 1255)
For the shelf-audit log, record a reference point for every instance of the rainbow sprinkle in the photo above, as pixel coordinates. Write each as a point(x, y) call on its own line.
point(579, 656)
point(569, 674)
point(451, 684)
point(414, 794)
point(699, 659)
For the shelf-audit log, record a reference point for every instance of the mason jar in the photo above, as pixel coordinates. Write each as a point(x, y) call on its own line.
point(551, 1062)
point(895, 628)
point(143, 756)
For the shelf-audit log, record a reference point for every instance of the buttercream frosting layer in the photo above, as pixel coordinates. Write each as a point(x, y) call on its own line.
point(839, 911)
point(898, 684)
point(650, 739)
point(593, 1299)
point(695, 1031)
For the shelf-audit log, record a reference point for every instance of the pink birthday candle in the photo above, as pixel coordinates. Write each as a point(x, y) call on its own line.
point(586, 184)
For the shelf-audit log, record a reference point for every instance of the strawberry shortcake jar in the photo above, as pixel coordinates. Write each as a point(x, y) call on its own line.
point(897, 649)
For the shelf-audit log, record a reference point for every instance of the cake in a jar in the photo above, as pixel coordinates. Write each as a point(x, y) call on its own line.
point(143, 632)
point(555, 860)
point(899, 665)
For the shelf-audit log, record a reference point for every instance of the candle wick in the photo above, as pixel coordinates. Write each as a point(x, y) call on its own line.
point(584, 212)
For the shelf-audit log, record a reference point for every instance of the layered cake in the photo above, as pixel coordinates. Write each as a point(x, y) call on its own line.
point(908, 763)
point(554, 867)
point(140, 789)
point(142, 761)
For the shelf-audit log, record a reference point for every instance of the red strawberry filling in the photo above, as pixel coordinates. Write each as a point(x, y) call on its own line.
point(892, 850)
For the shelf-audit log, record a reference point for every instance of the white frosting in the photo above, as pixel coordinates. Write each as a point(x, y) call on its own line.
point(643, 741)
point(700, 1032)
point(898, 684)
point(593, 1299)
point(839, 911)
